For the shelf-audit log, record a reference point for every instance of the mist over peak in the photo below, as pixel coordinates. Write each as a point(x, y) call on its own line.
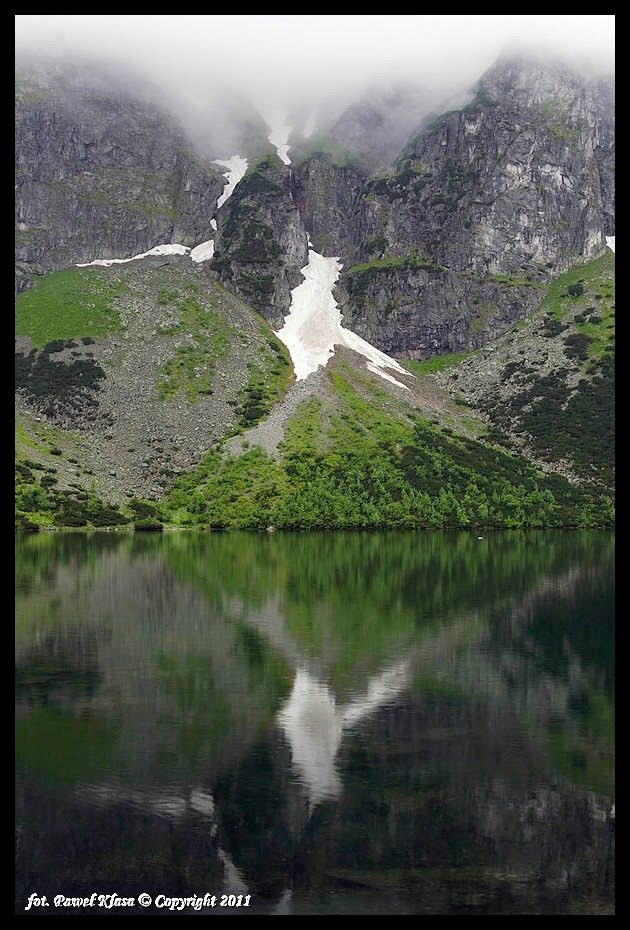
point(218, 72)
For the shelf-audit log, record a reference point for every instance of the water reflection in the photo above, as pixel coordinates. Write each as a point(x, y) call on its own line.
point(394, 723)
point(314, 725)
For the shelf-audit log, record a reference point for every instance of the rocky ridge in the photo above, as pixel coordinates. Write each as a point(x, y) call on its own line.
point(101, 173)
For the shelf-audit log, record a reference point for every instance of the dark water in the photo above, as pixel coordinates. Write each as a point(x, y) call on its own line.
point(387, 723)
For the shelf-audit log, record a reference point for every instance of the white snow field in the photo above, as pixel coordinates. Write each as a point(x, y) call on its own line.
point(167, 249)
point(203, 251)
point(279, 133)
point(313, 327)
point(236, 168)
point(610, 242)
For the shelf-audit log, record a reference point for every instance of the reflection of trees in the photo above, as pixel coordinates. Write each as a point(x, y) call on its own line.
point(264, 677)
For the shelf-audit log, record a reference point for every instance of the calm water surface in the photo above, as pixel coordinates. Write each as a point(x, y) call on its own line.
point(390, 723)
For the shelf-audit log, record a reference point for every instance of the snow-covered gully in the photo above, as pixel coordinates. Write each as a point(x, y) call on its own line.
point(313, 327)
point(279, 133)
point(610, 242)
point(236, 168)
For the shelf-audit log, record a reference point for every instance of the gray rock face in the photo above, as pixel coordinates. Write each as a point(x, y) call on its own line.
point(419, 312)
point(460, 234)
point(517, 183)
point(100, 174)
point(331, 203)
point(511, 181)
point(261, 242)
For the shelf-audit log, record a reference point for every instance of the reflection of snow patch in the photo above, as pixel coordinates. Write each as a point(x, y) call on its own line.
point(314, 725)
point(236, 168)
point(610, 242)
point(203, 251)
point(313, 326)
point(202, 802)
point(234, 883)
point(284, 904)
point(168, 249)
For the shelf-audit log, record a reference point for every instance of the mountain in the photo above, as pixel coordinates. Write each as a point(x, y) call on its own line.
point(451, 245)
point(101, 172)
point(314, 341)
point(261, 241)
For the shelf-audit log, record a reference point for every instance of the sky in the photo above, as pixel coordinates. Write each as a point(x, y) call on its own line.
point(284, 59)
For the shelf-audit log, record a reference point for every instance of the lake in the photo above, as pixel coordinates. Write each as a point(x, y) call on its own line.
point(389, 723)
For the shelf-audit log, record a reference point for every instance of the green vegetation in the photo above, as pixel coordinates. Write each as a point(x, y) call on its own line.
point(359, 276)
point(39, 504)
point(258, 180)
point(68, 304)
point(109, 188)
point(557, 123)
point(561, 419)
point(192, 367)
point(356, 466)
point(430, 365)
point(481, 100)
point(563, 297)
point(250, 241)
point(72, 384)
point(575, 425)
point(584, 297)
point(268, 382)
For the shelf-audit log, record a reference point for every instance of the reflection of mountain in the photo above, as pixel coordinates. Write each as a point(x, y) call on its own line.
point(416, 721)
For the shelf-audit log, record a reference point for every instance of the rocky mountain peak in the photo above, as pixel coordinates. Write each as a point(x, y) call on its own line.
point(528, 80)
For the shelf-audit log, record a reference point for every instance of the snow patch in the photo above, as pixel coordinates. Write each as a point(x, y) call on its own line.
point(203, 252)
point(610, 242)
point(236, 168)
point(313, 327)
point(213, 223)
point(167, 249)
point(279, 134)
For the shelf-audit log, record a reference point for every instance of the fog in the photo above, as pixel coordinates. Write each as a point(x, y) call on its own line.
point(304, 62)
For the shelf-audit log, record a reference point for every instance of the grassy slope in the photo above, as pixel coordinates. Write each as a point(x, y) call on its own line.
point(354, 465)
point(561, 411)
point(56, 483)
point(355, 462)
point(72, 304)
